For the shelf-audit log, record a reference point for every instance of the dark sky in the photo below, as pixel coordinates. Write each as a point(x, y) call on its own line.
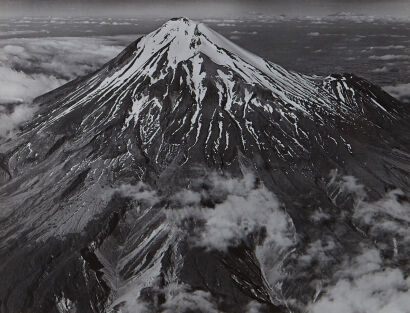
point(206, 8)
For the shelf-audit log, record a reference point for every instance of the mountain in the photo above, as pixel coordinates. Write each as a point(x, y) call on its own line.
point(189, 175)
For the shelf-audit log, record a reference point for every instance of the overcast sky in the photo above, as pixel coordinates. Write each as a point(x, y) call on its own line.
point(208, 8)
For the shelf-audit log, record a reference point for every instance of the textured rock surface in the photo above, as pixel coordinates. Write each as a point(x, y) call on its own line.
point(79, 233)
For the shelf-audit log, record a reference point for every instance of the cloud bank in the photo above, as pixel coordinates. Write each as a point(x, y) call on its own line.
point(400, 91)
point(219, 212)
point(237, 210)
point(10, 120)
point(364, 285)
point(32, 67)
point(373, 280)
point(17, 86)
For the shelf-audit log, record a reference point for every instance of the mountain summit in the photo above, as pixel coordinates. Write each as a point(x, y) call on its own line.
point(187, 175)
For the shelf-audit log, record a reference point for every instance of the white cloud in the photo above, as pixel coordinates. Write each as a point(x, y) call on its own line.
point(65, 58)
point(400, 91)
point(368, 282)
point(187, 197)
point(139, 192)
point(389, 57)
point(384, 219)
point(219, 212)
point(230, 209)
point(10, 120)
point(30, 67)
point(14, 50)
point(253, 307)
point(121, 23)
point(365, 286)
point(234, 37)
point(226, 25)
point(211, 21)
point(383, 69)
point(356, 18)
point(180, 299)
point(346, 185)
point(388, 217)
point(241, 208)
point(21, 32)
point(318, 250)
point(17, 86)
point(216, 212)
point(319, 215)
point(237, 32)
point(391, 47)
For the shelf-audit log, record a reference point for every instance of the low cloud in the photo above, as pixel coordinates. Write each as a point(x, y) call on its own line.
point(345, 187)
point(64, 58)
point(178, 298)
point(383, 69)
point(365, 286)
point(19, 114)
point(9, 33)
point(400, 91)
point(391, 47)
point(353, 17)
point(239, 208)
point(389, 57)
point(238, 32)
point(226, 25)
point(140, 192)
point(227, 211)
point(216, 212)
point(18, 86)
point(234, 37)
point(386, 218)
point(17, 90)
point(368, 282)
point(31, 67)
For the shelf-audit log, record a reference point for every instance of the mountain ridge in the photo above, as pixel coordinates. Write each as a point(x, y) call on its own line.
point(91, 182)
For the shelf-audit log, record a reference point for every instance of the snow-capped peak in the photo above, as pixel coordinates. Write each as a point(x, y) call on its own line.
point(187, 38)
point(182, 38)
point(202, 84)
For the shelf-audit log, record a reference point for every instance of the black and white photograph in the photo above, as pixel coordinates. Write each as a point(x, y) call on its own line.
point(205, 156)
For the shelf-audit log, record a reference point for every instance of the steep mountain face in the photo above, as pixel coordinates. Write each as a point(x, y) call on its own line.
point(125, 192)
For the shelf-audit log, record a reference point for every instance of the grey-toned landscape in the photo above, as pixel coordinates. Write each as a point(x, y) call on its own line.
point(250, 157)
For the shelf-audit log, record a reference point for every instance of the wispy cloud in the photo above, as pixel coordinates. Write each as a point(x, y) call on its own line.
point(65, 58)
point(389, 57)
point(31, 67)
point(216, 212)
point(400, 91)
point(18, 86)
point(369, 281)
point(178, 298)
point(364, 285)
point(11, 119)
point(239, 209)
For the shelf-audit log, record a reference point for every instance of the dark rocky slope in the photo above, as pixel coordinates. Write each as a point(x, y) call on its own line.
point(80, 233)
